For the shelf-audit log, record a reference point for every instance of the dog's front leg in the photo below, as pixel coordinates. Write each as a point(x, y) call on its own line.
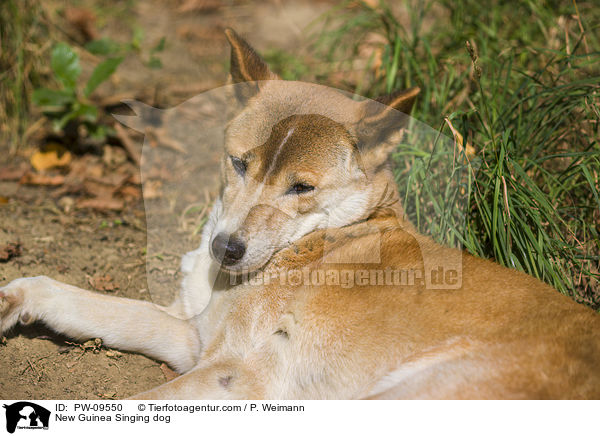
point(123, 323)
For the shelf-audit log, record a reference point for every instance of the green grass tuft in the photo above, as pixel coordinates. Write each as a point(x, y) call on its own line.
point(524, 92)
point(23, 49)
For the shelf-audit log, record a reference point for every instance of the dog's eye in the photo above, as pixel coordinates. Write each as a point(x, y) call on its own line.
point(300, 188)
point(239, 165)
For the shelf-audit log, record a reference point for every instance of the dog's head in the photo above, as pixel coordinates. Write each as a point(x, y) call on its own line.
point(298, 157)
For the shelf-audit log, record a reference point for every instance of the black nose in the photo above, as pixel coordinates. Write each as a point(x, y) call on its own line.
point(228, 249)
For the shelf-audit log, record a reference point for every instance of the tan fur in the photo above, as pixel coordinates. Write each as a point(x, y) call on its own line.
point(498, 334)
point(503, 334)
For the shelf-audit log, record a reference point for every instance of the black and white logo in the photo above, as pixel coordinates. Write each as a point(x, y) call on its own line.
point(26, 415)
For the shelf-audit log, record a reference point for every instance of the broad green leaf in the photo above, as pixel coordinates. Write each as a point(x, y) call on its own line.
point(103, 47)
point(52, 97)
point(101, 73)
point(65, 64)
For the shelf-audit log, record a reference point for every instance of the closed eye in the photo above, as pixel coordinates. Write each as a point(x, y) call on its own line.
point(300, 188)
point(238, 165)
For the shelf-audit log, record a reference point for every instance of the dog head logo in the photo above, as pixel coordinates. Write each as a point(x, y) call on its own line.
point(26, 415)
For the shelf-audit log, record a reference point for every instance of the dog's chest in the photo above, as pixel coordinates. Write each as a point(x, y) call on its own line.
point(243, 319)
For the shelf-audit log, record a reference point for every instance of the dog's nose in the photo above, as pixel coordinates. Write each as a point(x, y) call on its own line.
point(228, 249)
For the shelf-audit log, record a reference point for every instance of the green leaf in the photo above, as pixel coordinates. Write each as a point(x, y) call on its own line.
point(100, 132)
point(65, 64)
point(101, 73)
point(154, 63)
point(52, 97)
point(60, 123)
point(86, 111)
point(137, 38)
point(103, 47)
point(160, 46)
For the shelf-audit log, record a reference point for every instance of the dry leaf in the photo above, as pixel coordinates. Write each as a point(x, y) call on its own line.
point(152, 189)
point(10, 250)
point(133, 150)
point(113, 179)
point(200, 5)
point(103, 283)
point(113, 156)
point(468, 149)
point(83, 20)
point(86, 167)
point(3, 200)
point(135, 178)
point(130, 192)
point(10, 174)
point(53, 155)
point(41, 179)
point(114, 354)
point(168, 372)
point(160, 137)
point(101, 204)
point(92, 344)
point(193, 32)
point(98, 189)
point(161, 172)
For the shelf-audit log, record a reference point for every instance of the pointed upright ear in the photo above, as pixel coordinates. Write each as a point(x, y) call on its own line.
point(246, 65)
point(382, 122)
point(402, 101)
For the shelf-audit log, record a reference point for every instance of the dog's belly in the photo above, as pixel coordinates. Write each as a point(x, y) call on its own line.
point(353, 343)
point(297, 343)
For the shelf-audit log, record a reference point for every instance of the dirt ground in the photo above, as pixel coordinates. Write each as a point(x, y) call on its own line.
point(81, 245)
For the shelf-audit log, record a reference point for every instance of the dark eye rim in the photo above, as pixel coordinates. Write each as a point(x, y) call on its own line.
point(238, 165)
point(300, 188)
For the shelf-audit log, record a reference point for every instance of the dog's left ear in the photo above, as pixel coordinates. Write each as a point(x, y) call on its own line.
point(382, 121)
point(246, 65)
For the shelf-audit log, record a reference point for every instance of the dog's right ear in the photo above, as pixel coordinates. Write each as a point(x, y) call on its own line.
point(246, 66)
point(382, 123)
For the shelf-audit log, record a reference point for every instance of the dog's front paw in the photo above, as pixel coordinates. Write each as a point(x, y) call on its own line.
point(13, 305)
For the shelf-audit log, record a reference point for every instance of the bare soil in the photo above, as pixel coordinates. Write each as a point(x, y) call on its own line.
point(78, 245)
